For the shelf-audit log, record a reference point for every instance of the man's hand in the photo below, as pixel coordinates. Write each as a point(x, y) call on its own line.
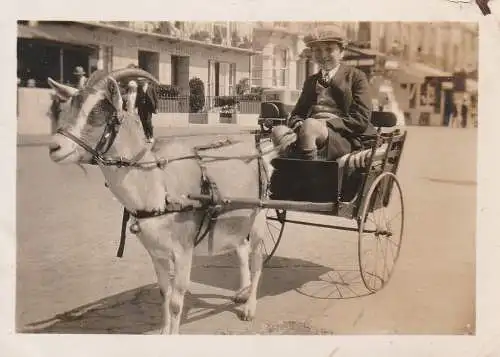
point(296, 126)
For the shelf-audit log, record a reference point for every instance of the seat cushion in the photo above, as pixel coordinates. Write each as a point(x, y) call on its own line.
point(361, 159)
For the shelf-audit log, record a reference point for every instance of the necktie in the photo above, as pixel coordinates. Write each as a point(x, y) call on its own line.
point(326, 77)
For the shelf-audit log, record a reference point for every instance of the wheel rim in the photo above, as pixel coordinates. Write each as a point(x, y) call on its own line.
point(380, 231)
point(274, 231)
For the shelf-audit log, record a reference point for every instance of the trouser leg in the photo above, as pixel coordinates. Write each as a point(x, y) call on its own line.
point(146, 124)
point(313, 134)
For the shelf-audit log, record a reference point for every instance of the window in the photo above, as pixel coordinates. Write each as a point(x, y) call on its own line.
point(39, 59)
point(174, 74)
point(221, 78)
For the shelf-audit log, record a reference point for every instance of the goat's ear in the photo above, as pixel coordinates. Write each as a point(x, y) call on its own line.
point(112, 93)
point(62, 91)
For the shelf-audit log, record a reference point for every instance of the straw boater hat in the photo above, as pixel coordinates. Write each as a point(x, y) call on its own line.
point(326, 37)
point(79, 70)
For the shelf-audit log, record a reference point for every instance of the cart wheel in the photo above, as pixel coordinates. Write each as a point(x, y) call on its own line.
point(275, 224)
point(380, 228)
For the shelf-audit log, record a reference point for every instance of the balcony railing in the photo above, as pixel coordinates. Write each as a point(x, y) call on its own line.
point(244, 104)
point(214, 33)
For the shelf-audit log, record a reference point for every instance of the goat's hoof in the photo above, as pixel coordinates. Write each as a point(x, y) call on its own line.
point(248, 312)
point(241, 296)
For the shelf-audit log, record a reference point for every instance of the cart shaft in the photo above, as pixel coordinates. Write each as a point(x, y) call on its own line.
point(248, 202)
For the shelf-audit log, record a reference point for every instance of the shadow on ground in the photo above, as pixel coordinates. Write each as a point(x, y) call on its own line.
point(139, 311)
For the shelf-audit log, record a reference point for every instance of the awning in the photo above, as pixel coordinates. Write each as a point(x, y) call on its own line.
point(49, 32)
point(418, 73)
point(24, 31)
point(368, 52)
point(430, 71)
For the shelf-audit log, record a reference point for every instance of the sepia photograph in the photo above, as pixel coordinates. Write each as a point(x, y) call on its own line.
point(247, 178)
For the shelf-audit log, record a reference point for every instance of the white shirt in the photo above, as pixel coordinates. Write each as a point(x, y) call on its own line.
point(331, 73)
point(131, 101)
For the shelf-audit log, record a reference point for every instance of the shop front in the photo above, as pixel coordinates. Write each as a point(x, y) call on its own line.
point(423, 93)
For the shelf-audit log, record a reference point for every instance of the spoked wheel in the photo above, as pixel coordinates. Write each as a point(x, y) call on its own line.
point(275, 224)
point(380, 231)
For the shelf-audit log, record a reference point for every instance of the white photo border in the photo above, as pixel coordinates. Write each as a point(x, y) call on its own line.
point(486, 342)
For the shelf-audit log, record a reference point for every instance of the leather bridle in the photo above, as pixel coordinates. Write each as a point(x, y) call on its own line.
point(103, 145)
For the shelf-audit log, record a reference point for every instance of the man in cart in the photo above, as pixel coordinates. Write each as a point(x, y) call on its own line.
point(332, 116)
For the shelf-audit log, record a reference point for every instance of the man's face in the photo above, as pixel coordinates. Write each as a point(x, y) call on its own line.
point(327, 55)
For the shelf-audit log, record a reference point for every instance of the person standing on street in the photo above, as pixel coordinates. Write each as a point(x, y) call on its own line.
point(146, 104)
point(464, 111)
point(130, 98)
point(80, 78)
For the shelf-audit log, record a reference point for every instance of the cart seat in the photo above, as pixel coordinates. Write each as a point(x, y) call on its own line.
point(318, 180)
point(304, 180)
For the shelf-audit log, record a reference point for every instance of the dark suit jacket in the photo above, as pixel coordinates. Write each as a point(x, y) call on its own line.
point(146, 102)
point(351, 91)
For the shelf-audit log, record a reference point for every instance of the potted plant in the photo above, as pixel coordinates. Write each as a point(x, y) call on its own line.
point(197, 101)
point(200, 36)
point(235, 39)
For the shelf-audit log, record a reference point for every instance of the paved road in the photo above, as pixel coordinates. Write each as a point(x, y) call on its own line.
point(70, 281)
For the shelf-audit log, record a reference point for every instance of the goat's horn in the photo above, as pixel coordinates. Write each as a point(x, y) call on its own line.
point(133, 72)
point(96, 77)
point(65, 90)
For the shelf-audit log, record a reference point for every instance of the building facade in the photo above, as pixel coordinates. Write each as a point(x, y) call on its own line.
point(172, 54)
point(429, 58)
point(419, 58)
point(217, 53)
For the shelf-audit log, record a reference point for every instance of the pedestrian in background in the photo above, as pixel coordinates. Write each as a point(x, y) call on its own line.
point(80, 78)
point(464, 111)
point(130, 98)
point(147, 105)
point(453, 121)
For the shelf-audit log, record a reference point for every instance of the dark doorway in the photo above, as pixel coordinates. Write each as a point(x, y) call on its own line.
point(150, 62)
point(217, 79)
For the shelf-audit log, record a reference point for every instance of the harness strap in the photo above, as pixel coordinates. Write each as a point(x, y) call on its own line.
point(123, 235)
point(209, 187)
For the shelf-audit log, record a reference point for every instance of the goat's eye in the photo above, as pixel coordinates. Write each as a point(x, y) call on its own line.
point(97, 116)
point(96, 120)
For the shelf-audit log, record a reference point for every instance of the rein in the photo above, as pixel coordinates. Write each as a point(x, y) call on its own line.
point(212, 208)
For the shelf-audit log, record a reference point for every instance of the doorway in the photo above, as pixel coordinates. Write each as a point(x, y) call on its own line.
point(150, 62)
point(180, 72)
